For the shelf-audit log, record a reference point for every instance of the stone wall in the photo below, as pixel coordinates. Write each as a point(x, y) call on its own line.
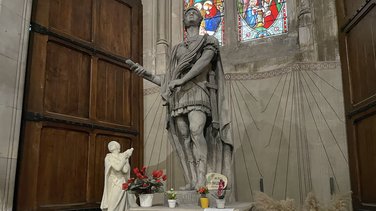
point(14, 25)
point(286, 102)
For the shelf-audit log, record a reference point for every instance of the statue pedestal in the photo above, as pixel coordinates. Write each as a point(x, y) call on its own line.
point(189, 201)
point(192, 198)
point(236, 206)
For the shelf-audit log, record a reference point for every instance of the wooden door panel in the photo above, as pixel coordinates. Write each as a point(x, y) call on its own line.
point(34, 96)
point(361, 44)
point(63, 164)
point(79, 96)
point(28, 165)
point(114, 27)
point(114, 85)
point(366, 143)
point(71, 18)
point(67, 81)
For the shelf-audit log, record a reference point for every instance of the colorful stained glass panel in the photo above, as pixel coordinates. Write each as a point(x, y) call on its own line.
point(213, 12)
point(261, 18)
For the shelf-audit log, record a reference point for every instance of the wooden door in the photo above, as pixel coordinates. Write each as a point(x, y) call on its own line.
point(357, 36)
point(79, 96)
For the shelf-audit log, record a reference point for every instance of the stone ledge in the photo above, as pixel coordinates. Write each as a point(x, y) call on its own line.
point(188, 198)
point(237, 206)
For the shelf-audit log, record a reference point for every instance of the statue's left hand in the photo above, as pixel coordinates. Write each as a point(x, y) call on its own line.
point(175, 83)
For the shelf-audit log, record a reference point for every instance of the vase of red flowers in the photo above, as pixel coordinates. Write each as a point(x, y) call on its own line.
point(145, 186)
point(204, 201)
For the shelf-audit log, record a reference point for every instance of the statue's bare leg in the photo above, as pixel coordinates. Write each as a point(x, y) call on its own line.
point(178, 145)
point(197, 120)
point(183, 128)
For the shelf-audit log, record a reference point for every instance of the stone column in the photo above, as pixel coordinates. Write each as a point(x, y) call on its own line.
point(176, 32)
point(162, 45)
point(230, 38)
point(14, 35)
point(149, 37)
point(305, 27)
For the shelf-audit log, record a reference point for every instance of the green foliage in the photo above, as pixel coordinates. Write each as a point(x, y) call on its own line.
point(145, 186)
point(171, 194)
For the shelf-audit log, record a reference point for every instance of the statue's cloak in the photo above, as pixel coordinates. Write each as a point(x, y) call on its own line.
point(118, 199)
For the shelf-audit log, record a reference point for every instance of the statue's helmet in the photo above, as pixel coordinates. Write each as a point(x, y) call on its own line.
point(189, 23)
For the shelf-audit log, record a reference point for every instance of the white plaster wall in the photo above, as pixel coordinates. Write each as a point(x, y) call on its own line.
point(14, 25)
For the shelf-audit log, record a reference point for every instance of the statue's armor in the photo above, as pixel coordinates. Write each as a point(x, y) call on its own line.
point(194, 95)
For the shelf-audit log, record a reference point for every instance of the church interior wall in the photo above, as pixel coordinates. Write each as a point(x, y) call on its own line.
point(286, 103)
point(285, 95)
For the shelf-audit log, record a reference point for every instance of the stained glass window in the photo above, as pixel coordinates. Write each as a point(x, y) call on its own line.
point(261, 18)
point(213, 12)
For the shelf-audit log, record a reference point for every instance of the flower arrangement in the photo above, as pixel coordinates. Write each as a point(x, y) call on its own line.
point(221, 192)
point(203, 191)
point(145, 184)
point(204, 202)
point(171, 194)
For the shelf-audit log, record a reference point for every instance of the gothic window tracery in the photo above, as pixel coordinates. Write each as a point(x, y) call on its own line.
point(261, 18)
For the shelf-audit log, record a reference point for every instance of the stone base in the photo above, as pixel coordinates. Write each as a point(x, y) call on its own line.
point(236, 206)
point(192, 198)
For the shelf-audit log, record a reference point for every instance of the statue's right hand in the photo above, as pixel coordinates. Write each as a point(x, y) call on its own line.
point(137, 68)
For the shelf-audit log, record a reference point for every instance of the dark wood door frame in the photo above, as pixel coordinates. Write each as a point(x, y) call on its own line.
point(357, 50)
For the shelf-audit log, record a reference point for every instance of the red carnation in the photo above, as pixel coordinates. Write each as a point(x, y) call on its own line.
point(125, 186)
point(157, 173)
point(139, 176)
point(154, 173)
point(136, 170)
point(145, 185)
point(164, 177)
point(158, 180)
point(143, 170)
